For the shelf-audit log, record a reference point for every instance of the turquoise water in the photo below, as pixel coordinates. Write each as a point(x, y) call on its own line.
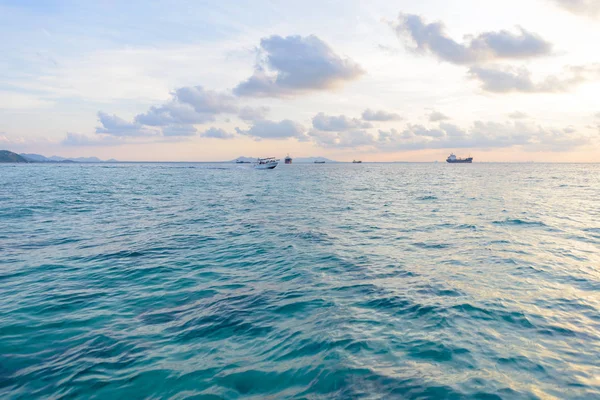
point(175, 281)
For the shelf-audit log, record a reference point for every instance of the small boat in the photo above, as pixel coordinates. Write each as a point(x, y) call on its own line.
point(452, 159)
point(288, 159)
point(266, 163)
point(356, 162)
point(242, 162)
point(319, 162)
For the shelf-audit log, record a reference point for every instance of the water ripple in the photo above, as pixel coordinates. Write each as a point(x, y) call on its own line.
point(385, 281)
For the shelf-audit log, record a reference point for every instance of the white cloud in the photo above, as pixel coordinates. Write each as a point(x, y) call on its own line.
point(206, 101)
point(264, 129)
point(77, 139)
point(117, 126)
point(482, 135)
point(437, 116)
point(487, 46)
point(179, 130)
point(19, 101)
point(338, 123)
point(590, 8)
point(253, 113)
point(380, 115)
point(353, 138)
point(518, 115)
point(217, 133)
point(295, 64)
point(173, 113)
point(189, 105)
point(500, 79)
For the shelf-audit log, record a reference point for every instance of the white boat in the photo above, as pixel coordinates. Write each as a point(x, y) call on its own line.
point(266, 163)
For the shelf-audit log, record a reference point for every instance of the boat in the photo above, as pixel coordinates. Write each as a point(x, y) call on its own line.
point(242, 162)
point(356, 162)
point(288, 159)
point(319, 162)
point(452, 159)
point(266, 163)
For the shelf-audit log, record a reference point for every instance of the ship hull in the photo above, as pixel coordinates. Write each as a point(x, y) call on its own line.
point(466, 161)
point(270, 165)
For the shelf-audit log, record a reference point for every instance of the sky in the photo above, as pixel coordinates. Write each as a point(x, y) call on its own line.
point(405, 80)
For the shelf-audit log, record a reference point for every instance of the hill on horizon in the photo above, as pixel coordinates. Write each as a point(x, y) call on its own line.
point(40, 158)
point(10, 157)
point(301, 160)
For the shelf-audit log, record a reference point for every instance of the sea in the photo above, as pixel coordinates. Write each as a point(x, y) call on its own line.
point(328, 281)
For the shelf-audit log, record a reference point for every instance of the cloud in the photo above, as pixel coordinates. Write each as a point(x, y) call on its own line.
point(338, 123)
point(487, 46)
point(23, 142)
point(173, 113)
point(253, 113)
point(370, 115)
point(437, 116)
point(217, 133)
point(590, 8)
point(294, 64)
point(265, 129)
point(116, 126)
point(77, 139)
point(206, 101)
point(597, 115)
point(508, 79)
point(189, 105)
point(483, 135)
point(179, 130)
point(518, 115)
point(393, 134)
point(420, 130)
point(345, 139)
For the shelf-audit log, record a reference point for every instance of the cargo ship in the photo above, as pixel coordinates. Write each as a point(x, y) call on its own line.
point(288, 159)
point(452, 159)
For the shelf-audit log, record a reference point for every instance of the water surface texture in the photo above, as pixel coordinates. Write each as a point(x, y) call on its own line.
point(208, 281)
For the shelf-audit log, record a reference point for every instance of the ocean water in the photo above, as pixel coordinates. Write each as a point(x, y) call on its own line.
point(374, 281)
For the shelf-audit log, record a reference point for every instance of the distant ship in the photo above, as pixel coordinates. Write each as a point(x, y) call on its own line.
point(356, 162)
point(319, 162)
point(242, 162)
point(288, 159)
point(452, 159)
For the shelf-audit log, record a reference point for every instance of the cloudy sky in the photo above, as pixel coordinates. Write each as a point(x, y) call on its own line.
point(515, 80)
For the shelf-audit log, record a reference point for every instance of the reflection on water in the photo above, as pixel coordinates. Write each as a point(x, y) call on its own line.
point(329, 281)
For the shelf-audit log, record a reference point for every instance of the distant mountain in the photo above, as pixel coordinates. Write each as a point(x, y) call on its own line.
point(10, 157)
point(77, 159)
point(86, 159)
point(41, 158)
point(34, 157)
point(312, 159)
point(295, 160)
point(244, 159)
